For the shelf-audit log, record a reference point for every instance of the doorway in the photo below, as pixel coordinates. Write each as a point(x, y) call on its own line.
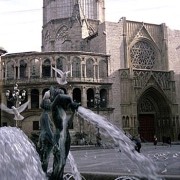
point(146, 127)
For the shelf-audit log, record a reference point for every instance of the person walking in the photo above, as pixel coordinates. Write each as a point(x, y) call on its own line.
point(155, 141)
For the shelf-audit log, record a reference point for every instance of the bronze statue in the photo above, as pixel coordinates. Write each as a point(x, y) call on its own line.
point(59, 104)
point(46, 138)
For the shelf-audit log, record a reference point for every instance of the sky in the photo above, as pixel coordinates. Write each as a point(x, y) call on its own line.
point(21, 20)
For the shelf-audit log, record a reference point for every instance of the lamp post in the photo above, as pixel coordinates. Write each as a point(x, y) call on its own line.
point(97, 102)
point(16, 96)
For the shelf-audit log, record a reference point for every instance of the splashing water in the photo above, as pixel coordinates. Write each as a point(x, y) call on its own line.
point(18, 157)
point(145, 167)
point(74, 170)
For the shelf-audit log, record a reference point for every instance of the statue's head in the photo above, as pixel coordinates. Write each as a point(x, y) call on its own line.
point(46, 104)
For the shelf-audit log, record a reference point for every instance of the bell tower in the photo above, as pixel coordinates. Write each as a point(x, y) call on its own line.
point(67, 22)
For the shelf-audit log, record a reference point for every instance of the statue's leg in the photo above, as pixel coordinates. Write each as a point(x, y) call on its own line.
point(57, 136)
point(46, 154)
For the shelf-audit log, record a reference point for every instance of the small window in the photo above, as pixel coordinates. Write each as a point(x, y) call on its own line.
point(35, 125)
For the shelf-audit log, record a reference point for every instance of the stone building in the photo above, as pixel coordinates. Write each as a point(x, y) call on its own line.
point(133, 66)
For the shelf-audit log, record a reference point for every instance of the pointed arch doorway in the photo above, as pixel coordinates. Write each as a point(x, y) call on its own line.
point(154, 115)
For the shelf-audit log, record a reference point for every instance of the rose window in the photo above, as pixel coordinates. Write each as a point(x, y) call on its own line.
point(142, 55)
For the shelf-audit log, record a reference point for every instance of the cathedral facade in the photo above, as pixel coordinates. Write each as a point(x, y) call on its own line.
point(133, 68)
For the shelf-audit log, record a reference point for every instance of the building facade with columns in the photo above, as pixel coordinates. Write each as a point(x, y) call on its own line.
point(133, 66)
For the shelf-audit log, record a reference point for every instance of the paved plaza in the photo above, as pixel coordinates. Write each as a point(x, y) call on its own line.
point(110, 162)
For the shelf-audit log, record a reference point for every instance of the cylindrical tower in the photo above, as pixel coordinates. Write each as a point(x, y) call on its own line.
point(67, 22)
point(57, 9)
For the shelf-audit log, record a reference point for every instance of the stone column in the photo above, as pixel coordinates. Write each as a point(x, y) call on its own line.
point(84, 97)
point(40, 97)
point(29, 98)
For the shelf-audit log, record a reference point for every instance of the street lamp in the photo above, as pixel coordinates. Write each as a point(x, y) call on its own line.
point(16, 96)
point(97, 102)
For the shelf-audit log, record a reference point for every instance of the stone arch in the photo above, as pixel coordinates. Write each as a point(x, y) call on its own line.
point(154, 114)
point(35, 68)
point(46, 68)
point(10, 65)
point(34, 99)
point(76, 67)
point(103, 98)
point(90, 98)
point(77, 95)
point(62, 34)
point(23, 68)
point(61, 63)
point(89, 68)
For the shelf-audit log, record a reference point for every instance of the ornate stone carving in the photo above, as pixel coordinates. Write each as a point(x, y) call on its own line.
point(62, 34)
point(142, 55)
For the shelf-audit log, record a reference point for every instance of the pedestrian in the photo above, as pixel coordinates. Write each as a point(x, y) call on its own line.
point(155, 141)
point(98, 139)
point(137, 141)
point(169, 140)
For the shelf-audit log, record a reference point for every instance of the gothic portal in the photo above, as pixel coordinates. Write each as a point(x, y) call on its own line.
point(154, 115)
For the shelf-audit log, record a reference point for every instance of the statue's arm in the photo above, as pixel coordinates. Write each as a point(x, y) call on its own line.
point(62, 99)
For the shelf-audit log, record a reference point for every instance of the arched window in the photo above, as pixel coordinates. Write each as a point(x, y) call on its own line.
point(61, 64)
point(34, 99)
point(102, 69)
point(23, 67)
point(124, 121)
point(76, 68)
point(127, 121)
point(62, 34)
point(10, 70)
point(77, 95)
point(103, 98)
point(46, 68)
point(90, 98)
point(142, 55)
point(89, 68)
point(35, 65)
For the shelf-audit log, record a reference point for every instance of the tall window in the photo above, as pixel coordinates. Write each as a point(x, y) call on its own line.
point(46, 68)
point(77, 95)
point(34, 99)
point(89, 68)
point(10, 70)
point(35, 65)
point(90, 98)
point(23, 67)
point(76, 67)
point(61, 64)
point(103, 96)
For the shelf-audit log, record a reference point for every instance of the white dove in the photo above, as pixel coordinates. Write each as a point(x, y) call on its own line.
point(63, 76)
point(15, 111)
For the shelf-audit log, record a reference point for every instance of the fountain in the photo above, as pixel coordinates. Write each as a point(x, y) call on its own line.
point(19, 159)
point(18, 156)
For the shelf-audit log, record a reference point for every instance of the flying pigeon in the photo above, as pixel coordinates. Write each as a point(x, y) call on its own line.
point(63, 76)
point(15, 111)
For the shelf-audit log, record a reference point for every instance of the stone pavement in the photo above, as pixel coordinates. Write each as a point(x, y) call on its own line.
point(99, 163)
